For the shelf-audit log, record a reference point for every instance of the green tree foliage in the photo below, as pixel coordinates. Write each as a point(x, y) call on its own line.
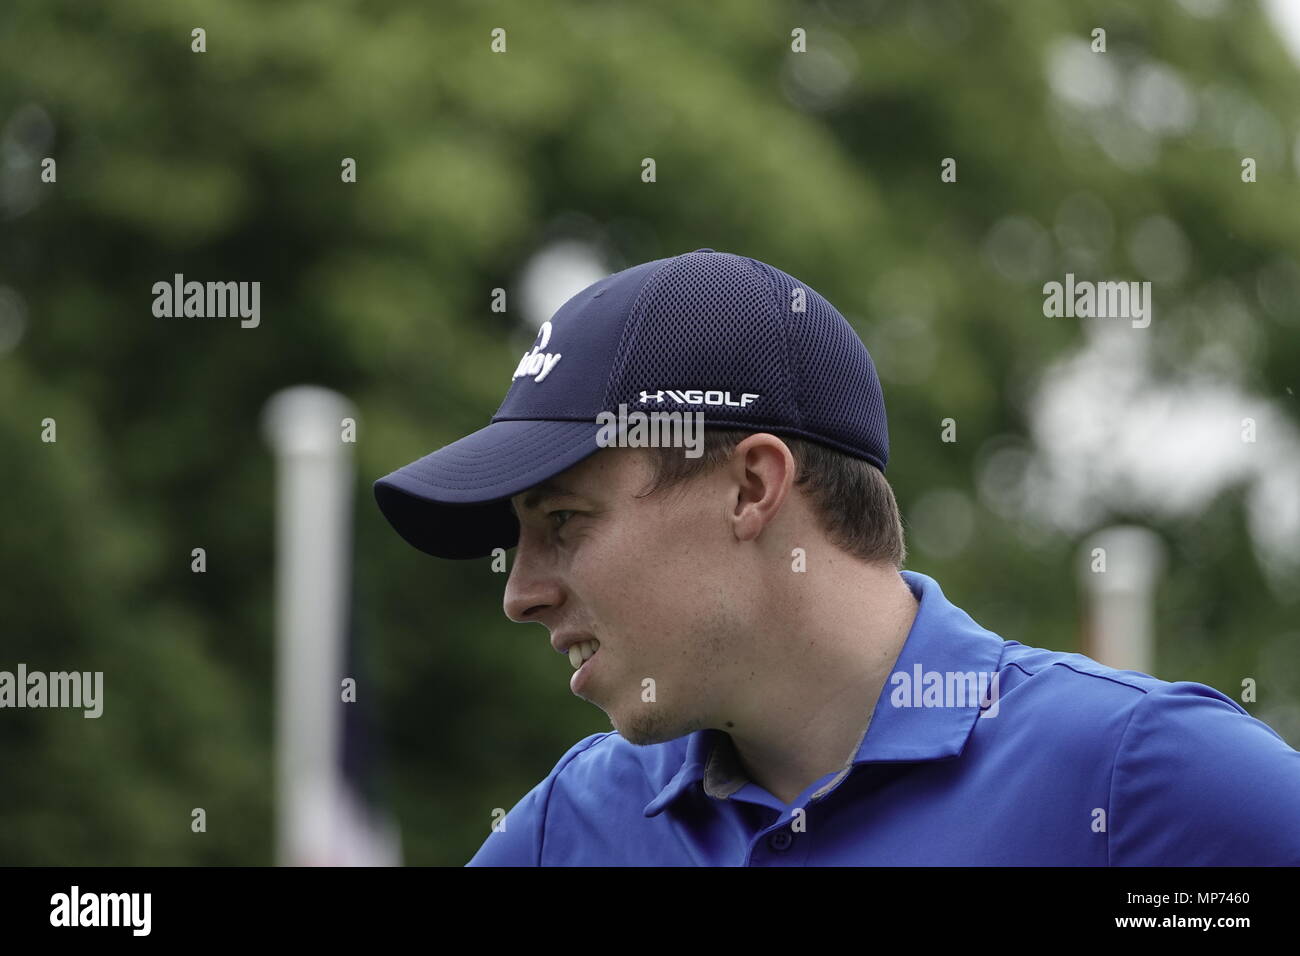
point(225, 165)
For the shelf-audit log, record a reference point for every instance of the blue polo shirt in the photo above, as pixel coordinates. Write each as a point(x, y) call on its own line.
point(979, 751)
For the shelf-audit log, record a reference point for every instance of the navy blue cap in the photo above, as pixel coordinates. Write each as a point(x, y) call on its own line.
point(746, 344)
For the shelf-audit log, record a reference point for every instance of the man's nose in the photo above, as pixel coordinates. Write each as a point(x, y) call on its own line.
point(531, 588)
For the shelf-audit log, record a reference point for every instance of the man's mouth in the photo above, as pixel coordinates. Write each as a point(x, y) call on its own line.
point(582, 651)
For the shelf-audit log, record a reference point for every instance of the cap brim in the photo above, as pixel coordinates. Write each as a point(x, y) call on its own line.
point(453, 503)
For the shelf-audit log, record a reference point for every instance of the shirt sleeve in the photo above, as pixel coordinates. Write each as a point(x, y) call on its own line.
point(520, 840)
point(1197, 781)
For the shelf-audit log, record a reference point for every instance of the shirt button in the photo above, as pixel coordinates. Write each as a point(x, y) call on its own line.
point(780, 840)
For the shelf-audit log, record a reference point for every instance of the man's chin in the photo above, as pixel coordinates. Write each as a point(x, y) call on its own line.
point(649, 728)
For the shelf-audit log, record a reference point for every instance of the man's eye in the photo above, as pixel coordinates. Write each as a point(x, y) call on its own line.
point(552, 514)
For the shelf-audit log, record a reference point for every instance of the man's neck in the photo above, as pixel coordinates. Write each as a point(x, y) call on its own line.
point(819, 672)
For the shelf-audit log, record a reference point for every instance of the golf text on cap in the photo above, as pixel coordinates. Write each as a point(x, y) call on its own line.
point(697, 396)
point(102, 909)
point(537, 363)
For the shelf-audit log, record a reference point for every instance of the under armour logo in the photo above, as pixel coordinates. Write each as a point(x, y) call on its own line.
point(696, 396)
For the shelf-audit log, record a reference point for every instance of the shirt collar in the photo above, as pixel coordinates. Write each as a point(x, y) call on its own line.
point(943, 638)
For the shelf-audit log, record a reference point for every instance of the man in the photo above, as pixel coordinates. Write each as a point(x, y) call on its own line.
point(781, 692)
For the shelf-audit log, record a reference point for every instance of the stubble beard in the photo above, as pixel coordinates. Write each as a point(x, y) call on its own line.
point(652, 723)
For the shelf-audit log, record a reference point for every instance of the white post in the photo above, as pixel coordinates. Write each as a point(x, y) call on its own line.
point(1118, 571)
point(314, 476)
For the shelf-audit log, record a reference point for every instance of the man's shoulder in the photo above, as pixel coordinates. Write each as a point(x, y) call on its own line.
point(1072, 699)
point(1185, 774)
point(602, 777)
point(1084, 672)
point(1070, 681)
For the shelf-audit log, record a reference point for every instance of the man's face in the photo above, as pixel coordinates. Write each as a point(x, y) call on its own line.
point(647, 577)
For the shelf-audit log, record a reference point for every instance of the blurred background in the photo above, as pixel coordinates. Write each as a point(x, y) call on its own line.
point(1175, 448)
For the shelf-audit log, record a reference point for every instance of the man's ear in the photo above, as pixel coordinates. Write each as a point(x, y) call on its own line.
point(762, 472)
